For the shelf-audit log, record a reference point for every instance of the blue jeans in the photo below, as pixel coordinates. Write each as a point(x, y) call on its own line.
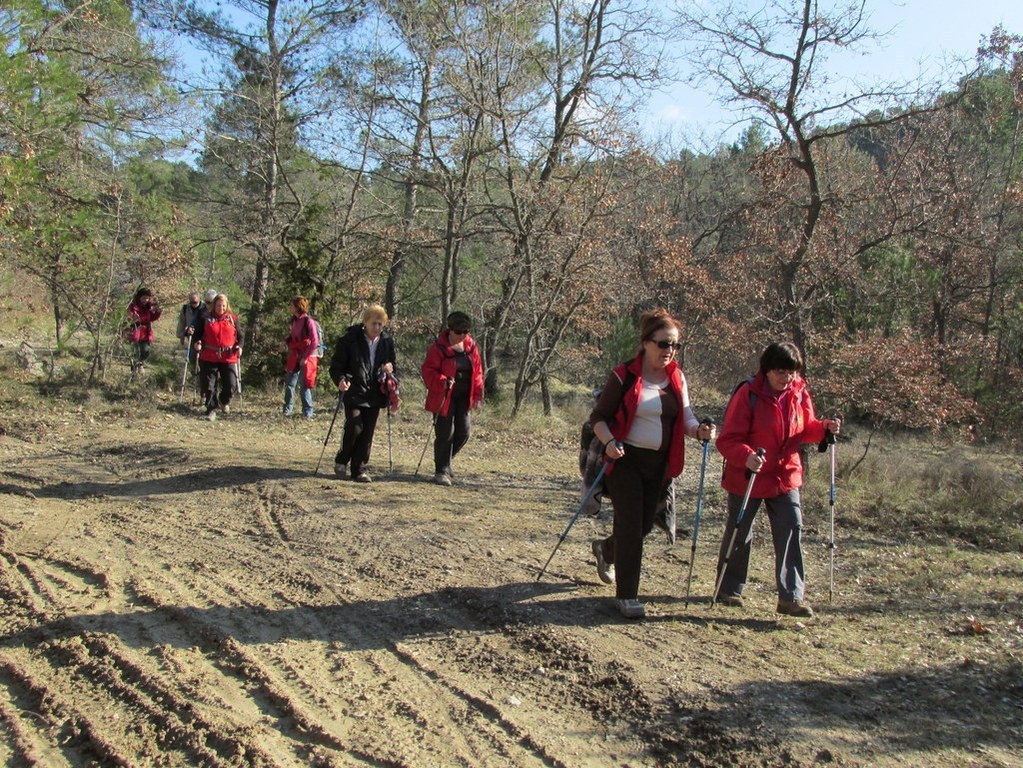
point(292, 380)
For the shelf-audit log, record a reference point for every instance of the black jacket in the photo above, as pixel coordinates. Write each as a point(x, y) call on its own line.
point(351, 357)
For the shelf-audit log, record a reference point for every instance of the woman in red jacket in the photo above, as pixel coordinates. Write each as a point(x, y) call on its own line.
point(302, 342)
point(453, 374)
point(642, 417)
point(219, 344)
point(142, 313)
point(774, 412)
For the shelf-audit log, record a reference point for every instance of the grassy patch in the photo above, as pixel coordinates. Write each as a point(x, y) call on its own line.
point(905, 484)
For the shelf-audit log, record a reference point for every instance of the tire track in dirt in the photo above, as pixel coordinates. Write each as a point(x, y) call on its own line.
point(414, 687)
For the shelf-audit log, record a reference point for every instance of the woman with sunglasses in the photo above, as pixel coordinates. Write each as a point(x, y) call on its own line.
point(361, 355)
point(642, 417)
point(453, 374)
point(773, 411)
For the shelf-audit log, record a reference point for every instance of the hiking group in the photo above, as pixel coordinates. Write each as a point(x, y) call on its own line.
point(639, 424)
point(641, 418)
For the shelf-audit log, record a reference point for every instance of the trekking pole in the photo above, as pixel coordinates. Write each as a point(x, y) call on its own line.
point(829, 443)
point(586, 497)
point(184, 373)
point(330, 430)
point(390, 455)
point(699, 510)
point(433, 427)
point(735, 531)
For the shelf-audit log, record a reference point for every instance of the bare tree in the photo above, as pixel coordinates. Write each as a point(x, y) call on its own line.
point(769, 60)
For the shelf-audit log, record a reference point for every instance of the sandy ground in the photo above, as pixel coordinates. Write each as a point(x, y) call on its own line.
point(183, 593)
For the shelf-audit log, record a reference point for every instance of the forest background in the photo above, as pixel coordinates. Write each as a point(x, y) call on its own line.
point(484, 156)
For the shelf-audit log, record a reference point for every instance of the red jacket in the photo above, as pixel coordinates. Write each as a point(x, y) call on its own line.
point(766, 426)
point(221, 338)
point(439, 367)
point(627, 412)
point(142, 319)
point(302, 341)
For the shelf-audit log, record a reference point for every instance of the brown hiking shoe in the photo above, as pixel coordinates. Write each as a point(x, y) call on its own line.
point(794, 608)
point(732, 601)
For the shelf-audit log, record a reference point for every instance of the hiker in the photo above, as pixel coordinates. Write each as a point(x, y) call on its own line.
point(300, 368)
point(772, 410)
point(219, 341)
point(361, 355)
point(208, 297)
point(453, 374)
point(642, 418)
point(143, 311)
point(187, 317)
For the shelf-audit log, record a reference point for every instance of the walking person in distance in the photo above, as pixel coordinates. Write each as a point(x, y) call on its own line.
point(772, 411)
point(187, 318)
point(642, 417)
point(361, 355)
point(143, 311)
point(219, 340)
point(301, 366)
point(453, 374)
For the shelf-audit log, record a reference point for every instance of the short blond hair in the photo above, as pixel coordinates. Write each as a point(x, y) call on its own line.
point(227, 301)
point(374, 310)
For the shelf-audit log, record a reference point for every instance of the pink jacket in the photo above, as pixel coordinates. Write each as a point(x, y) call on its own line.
point(142, 319)
point(302, 341)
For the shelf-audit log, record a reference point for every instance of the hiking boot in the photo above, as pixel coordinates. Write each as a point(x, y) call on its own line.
point(631, 608)
point(362, 477)
point(211, 415)
point(441, 478)
point(339, 470)
point(794, 608)
point(225, 408)
point(732, 601)
point(605, 570)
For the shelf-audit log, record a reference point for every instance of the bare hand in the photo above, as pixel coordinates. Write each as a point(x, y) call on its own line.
point(707, 432)
point(834, 426)
point(344, 385)
point(387, 368)
point(614, 450)
point(754, 462)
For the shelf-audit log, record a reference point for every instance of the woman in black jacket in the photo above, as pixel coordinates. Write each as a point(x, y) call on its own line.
point(362, 356)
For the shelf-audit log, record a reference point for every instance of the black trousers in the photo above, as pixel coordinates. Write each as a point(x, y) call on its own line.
point(636, 485)
point(451, 434)
point(209, 373)
point(357, 440)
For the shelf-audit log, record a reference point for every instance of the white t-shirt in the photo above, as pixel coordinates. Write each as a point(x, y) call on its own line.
point(646, 430)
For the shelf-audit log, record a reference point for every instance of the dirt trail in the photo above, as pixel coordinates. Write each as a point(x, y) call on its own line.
point(181, 593)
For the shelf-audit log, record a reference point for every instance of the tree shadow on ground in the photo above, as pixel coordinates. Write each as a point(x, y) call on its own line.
point(195, 481)
point(976, 705)
point(915, 710)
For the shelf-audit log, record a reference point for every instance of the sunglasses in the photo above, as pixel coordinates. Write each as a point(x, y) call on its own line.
point(666, 344)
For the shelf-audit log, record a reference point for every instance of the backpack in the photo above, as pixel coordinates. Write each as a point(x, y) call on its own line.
point(322, 346)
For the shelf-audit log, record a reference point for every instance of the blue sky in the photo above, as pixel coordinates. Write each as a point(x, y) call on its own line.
point(924, 34)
